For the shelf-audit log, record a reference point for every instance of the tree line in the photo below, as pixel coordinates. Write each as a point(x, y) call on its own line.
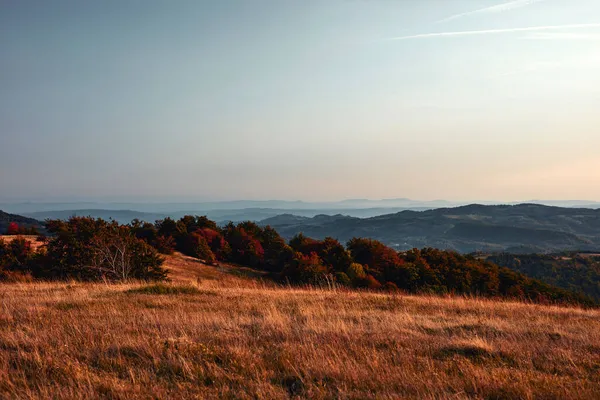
point(570, 270)
point(85, 248)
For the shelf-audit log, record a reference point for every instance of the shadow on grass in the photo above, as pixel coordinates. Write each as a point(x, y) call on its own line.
point(474, 353)
point(164, 289)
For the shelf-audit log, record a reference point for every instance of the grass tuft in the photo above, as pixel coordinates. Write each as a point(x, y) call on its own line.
point(162, 289)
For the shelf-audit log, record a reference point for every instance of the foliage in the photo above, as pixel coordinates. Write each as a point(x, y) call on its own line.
point(355, 271)
point(93, 249)
point(579, 272)
point(343, 279)
point(198, 247)
point(16, 259)
point(15, 229)
point(246, 248)
point(305, 269)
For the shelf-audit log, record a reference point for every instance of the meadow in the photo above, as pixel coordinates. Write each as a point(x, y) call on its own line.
point(223, 332)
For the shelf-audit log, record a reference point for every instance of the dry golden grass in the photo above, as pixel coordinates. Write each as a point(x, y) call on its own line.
point(237, 338)
point(35, 243)
point(190, 270)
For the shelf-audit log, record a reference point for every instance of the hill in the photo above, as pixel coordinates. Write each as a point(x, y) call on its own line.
point(524, 228)
point(122, 216)
point(228, 331)
point(221, 215)
point(571, 271)
point(6, 219)
point(235, 338)
point(88, 249)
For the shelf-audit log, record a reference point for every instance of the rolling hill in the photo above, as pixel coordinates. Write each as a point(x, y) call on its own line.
point(6, 219)
point(523, 228)
point(214, 335)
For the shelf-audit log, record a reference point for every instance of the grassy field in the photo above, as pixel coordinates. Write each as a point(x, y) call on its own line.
point(222, 333)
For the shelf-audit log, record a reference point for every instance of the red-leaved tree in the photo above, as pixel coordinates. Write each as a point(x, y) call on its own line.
point(13, 229)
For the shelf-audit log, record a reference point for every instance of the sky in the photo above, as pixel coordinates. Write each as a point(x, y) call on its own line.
point(300, 100)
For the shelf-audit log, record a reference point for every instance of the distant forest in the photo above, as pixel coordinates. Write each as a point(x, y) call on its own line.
point(91, 249)
point(572, 271)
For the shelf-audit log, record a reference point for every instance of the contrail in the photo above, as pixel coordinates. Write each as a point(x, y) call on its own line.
point(496, 31)
point(511, 5)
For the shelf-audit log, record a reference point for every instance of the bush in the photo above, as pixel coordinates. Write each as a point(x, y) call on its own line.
point(391, 287)
point(369, 282)
point(342, 279)
point(356, 272)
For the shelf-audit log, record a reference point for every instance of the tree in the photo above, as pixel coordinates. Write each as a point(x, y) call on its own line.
point(90, 249)
point(245, 248)
point(276, 252)
point(197, 246)
point(13, 229)
point(305, 269)
point(217, 243)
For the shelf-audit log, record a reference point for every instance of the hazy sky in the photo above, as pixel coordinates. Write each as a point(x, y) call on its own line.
point(312, 100)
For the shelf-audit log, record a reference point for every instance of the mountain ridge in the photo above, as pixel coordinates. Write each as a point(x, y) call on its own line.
point(469, 228)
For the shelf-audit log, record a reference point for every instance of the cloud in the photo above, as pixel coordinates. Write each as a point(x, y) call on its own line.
point(496, 31)
point(511, 5)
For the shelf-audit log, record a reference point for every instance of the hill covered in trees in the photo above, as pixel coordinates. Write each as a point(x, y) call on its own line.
point(524, 228)
point(92, 249)
point(571, 271)
point(11, 224)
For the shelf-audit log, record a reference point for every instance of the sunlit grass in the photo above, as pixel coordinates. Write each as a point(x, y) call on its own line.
point(151, 341)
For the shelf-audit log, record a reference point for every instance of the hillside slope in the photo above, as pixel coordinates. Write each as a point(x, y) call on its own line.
point(183, 269)
point(6, 219)
point(70, 340)
point(578, 272)
point(523, 228)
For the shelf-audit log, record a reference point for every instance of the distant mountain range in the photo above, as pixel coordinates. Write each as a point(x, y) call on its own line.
point(524, 228)
point(222, 206)
point(221, 216)
point(242, 210)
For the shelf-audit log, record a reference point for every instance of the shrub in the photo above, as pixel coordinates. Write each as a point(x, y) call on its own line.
point(355, 272)
point(370, 282)
point(342, 279)
point(390, 287)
